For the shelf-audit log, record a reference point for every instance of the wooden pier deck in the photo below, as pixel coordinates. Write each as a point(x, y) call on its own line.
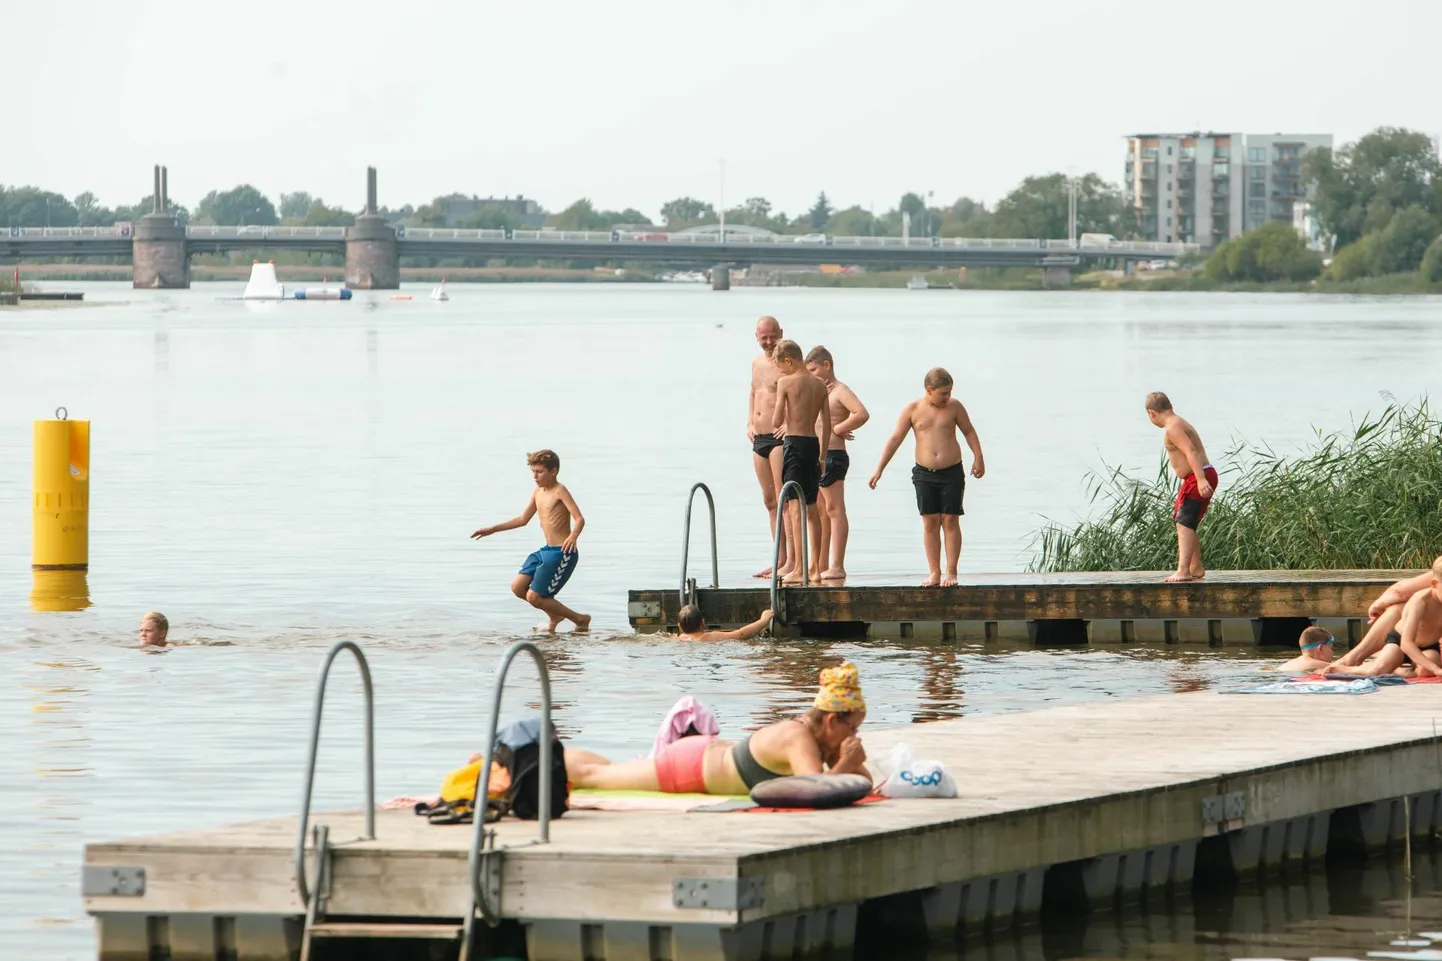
point(1087, 802)
point(1131, 607)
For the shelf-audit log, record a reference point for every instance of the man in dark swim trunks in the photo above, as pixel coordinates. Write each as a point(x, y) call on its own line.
point(847, 414)
point(802, 412)
point(939, 475)
point(766, 439)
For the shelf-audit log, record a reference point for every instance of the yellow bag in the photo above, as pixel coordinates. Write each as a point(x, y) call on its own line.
point(458, 793)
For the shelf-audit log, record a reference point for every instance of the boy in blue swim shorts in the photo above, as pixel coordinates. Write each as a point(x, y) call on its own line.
point(547, 570)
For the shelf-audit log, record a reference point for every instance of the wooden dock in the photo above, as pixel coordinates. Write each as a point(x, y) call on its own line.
point(1132, 607)
point(1089, 804)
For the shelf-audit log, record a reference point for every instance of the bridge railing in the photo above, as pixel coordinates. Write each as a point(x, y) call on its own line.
point(202, 231)
point(115, 230)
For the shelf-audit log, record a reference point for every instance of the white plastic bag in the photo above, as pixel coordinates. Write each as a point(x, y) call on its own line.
point(905, 776)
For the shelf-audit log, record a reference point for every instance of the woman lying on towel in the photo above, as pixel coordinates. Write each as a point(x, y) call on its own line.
point(823, 740)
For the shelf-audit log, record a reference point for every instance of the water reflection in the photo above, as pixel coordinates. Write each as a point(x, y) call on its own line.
point(60, 591)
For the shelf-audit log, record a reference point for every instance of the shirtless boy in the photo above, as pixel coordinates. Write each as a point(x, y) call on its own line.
point(939, 475)
point(547, 570)
point(1383, 616)
point(847, 414)
point(1316, 646)
point(803, 418)
point(766, 439)
point(1199, 483)
point(1416, 638)
point(693, 627)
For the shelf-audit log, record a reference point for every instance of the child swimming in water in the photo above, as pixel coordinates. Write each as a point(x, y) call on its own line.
point(547, 570)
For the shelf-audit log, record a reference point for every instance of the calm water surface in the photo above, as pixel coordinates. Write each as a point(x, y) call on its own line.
point(277, 477)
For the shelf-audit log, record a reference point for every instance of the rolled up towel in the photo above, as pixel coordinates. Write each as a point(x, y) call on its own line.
point(811, 791)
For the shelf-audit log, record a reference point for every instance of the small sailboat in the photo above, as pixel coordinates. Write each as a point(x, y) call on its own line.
point(439, 293)
point(917, 282)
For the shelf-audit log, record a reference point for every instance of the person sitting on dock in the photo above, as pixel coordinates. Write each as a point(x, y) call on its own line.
point(939, 475)
point(1316, 644)
point(1416, 639)
point(847, 414)
point(1199, 482)
point(1383, 615)
point(693, 627)
point(823, 740)
point(154, 627)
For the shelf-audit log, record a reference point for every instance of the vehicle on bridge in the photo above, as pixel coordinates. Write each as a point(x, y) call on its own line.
point(812, 239)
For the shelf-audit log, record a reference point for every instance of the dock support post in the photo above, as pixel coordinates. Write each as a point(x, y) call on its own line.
point(721, 277)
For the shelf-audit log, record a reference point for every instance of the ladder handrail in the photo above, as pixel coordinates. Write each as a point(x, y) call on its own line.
point(370, 753)
point(805, 558)
point(478, 896)
point(686, 540)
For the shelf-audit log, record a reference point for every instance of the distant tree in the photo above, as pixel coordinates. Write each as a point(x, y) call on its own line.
point(820, 212)
point(758, 207)
point(147, 204)
point(581, 215)
point(854, 221)
point(240, 206)
point(1038, 209)
point(686, 210)
point(490, 217)
point(1389, 168)
point(90, 212)
point(33, 207)
point(1400, 245)
point(295, 206)
point(1431, 268)
point(628, 216)
point(1352, 261)
point(1274, 251)
point(319, 215)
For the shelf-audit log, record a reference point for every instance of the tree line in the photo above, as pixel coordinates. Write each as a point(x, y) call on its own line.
point(1378, 202)
point(1036, 208)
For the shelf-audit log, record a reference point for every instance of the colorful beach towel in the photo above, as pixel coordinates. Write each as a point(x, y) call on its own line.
point(588, 800)
point(1361, 685)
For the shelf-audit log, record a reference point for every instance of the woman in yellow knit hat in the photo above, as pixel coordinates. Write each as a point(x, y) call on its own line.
point(821, 741)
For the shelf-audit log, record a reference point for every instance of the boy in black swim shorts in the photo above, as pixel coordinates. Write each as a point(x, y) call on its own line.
point(801, 409)
point(847, 414)
point(939, 475)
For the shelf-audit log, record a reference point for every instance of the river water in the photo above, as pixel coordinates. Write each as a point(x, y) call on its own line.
point(280, 476)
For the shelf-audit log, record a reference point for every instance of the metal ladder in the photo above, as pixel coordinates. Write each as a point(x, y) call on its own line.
point(777, 612)
point(316, 925)
point(687, 592)
point(485, 857)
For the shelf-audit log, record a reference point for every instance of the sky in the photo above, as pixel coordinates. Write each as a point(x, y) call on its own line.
point(634, 102)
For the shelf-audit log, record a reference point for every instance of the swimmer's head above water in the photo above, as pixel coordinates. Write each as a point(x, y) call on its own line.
point(153, 629)
point(1316, 643)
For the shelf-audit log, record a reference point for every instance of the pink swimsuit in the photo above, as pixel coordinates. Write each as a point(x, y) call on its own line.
point(680, 766)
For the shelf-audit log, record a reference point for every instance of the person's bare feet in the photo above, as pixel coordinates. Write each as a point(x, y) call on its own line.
point(765, 573)
point(552, 623)
point(1198, 572)
point(949, 580)
point(833, 574)
point(583, 624)
point(932, 580)
point(1180, 577)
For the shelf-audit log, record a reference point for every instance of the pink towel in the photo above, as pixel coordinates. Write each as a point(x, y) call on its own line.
point(688, 713)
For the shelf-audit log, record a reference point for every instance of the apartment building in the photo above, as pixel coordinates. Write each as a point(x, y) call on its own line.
point(1205, 188)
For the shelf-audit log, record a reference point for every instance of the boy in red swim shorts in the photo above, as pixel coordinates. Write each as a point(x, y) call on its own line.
point(1199, 482)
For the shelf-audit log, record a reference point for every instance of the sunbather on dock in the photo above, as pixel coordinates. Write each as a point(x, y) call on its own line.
point(823, 740)
point(1383, 616)
point(1417, 637)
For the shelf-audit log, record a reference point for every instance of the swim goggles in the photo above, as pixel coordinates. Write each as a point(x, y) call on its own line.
point(1327, 643)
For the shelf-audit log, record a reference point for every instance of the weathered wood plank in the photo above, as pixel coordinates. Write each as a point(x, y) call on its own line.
point(1120, 596)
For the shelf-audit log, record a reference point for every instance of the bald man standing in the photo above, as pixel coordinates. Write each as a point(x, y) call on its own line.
point(765, 438)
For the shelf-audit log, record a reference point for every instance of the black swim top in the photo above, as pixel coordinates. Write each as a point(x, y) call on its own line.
point(751, 771)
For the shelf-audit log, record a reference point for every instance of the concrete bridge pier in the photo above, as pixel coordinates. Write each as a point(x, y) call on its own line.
point(159, 259)
point(721, 277)
point(372, 253)
point(1056, 278)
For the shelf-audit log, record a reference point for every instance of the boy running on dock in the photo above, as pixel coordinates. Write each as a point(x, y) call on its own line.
point(547, 570)
point(939, 475)
point(802, 410)
point(847, 414)
point(1199, 483)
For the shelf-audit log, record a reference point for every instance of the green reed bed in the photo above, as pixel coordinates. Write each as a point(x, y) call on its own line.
point(1368, 498)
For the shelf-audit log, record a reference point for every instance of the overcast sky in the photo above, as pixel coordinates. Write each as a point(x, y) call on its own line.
point(633, 102)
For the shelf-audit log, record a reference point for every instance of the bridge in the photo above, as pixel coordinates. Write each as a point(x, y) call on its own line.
point(160, 247)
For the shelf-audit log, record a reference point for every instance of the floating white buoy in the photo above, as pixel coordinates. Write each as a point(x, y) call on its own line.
point(439, 293)
point(263, 284)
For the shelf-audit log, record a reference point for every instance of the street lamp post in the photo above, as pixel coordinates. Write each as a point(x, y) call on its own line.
point(1071, 198)
point(722, 206)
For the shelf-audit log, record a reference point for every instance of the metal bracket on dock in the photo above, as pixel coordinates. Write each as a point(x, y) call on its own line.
point(1219, 809)
point(719, 894)
point(105, 881)
point(643, 609)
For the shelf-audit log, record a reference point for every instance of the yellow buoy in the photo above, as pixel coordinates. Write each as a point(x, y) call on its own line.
point(62, 494)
